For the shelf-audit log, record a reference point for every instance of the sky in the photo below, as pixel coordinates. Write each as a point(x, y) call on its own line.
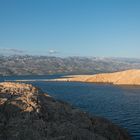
point(93, 28)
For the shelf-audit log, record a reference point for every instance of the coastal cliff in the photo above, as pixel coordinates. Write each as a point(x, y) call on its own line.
point(128, 77)
point(26, 113)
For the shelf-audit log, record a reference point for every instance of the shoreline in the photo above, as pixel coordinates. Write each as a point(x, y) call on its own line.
point(122, 78)
point(46, 115)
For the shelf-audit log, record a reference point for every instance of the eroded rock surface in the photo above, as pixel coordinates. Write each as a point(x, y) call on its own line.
point(27, 114)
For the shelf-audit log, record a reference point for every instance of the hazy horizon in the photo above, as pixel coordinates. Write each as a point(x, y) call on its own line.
point(84, 28)
point(74, 56)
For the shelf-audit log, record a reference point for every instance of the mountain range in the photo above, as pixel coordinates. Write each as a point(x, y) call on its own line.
point(43, 65)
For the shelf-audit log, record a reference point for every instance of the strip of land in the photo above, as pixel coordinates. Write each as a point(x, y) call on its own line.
point(128, 77)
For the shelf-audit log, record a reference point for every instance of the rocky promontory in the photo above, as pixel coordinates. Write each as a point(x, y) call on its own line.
point(26, 113)
point(128, 77)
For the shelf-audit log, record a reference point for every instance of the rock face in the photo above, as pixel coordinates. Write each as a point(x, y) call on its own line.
point(128, 77)
point(26, 114)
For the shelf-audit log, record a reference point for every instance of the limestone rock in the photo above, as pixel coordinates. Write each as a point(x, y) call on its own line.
point(28, 114)
point(128, 77)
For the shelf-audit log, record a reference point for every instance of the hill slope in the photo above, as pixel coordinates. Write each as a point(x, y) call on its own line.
point(42, 65)
point(26, 114)
point(128, 77)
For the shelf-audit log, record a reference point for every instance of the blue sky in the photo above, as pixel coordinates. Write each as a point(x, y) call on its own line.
point(103, 28)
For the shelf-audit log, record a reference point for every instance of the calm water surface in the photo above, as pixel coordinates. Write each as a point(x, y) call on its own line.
point(119, 104)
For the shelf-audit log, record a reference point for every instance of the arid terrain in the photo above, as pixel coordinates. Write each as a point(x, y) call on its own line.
point(128, 77)
point(43, 65)
point(26, 113)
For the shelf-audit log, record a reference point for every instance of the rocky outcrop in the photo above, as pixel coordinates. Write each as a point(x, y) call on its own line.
point(28, 114)
point(128, 77)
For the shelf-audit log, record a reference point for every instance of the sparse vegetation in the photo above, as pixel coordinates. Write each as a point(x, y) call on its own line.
point(41, 65)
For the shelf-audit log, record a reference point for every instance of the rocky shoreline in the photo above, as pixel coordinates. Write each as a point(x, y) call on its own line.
point(26, 113)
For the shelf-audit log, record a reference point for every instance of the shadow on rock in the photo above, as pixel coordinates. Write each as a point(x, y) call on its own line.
point(32, 116)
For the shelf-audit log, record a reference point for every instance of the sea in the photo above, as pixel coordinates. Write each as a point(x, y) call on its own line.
point(120, 104)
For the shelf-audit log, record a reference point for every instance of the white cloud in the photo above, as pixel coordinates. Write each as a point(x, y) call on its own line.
point(11, 50)
point(53, 52)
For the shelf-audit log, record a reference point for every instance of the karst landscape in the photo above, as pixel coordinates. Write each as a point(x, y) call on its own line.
point(128, 77)
point(69, 69)
point(26, 113)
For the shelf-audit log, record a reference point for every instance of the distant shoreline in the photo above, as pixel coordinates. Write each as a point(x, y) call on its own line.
point(126, 78)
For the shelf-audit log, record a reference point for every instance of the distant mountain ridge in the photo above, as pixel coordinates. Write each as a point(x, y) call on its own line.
point(42, 65)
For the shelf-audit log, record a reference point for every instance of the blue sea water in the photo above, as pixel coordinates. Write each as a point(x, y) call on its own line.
point(120, 104)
